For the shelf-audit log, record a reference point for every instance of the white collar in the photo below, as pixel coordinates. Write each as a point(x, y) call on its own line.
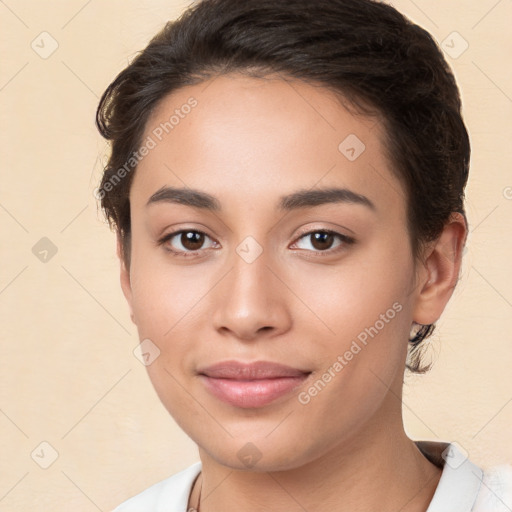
point(460, 481)
point(457, 490)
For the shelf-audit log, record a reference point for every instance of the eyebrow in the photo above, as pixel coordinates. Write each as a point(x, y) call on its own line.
point(186, 196)
point(299, 199)
point(317, 197)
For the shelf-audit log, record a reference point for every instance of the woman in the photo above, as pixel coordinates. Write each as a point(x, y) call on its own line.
point(286, 183)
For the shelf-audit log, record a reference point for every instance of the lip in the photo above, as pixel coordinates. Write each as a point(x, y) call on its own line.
point(251, 385)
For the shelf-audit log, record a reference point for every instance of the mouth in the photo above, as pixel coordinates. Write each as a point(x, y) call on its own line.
point(251, 385)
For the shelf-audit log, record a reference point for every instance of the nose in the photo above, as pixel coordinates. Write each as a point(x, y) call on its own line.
point(252, 300)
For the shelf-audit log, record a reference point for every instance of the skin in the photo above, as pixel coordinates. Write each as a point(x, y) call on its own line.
point(248, 142)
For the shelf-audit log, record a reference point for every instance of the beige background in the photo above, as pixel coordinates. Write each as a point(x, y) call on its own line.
point(68, 374)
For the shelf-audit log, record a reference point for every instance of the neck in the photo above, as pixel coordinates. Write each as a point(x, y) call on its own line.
point(376, 469)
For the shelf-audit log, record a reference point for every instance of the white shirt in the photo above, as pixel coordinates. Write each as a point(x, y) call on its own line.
point(463, 487)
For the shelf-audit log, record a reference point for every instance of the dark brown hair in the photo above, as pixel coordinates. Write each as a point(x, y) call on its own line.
point(365, 51)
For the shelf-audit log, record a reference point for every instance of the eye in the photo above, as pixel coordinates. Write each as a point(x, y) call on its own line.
point(186, 242)
point(323, 240)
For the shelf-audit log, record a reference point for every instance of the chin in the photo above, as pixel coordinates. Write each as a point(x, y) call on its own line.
point(257, 452)
point(256, 457)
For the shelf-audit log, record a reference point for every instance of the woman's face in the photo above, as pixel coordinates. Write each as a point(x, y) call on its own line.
point(257, 279)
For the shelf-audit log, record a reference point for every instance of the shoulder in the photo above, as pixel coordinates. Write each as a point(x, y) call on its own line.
point(464, 486)
point(169, 494)
point(496, 490)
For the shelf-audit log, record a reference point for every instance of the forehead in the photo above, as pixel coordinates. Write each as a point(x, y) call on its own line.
point(251, 139)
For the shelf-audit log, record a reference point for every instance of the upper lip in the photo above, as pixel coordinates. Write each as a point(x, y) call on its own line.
point(258, 370)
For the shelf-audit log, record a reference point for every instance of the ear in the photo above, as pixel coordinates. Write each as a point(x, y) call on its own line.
point(125, 277)
point(440, 271)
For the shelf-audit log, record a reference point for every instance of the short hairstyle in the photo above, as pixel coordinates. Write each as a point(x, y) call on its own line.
point(371, 56)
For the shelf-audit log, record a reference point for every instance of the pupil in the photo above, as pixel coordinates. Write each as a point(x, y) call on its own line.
point(193, 240)
point(321, 238)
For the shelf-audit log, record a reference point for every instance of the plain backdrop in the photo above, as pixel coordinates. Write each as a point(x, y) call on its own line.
point(69, 378)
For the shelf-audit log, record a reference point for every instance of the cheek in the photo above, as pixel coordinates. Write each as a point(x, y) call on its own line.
point(365, 310)
point(170, 307)
point(364, 355)
point(164, 305)
point(163, 294)
point(362, 293)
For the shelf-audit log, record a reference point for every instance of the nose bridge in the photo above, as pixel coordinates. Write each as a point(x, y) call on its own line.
point(250, 273)
point(251, 298)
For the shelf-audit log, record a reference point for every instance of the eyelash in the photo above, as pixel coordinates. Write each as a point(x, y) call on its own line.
point(346, 240)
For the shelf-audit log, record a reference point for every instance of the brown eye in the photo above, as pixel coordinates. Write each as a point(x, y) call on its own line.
point(192, 240)
point(322, 240)
point(186, 242)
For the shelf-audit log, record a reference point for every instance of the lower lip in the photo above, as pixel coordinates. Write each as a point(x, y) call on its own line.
point(251, 393)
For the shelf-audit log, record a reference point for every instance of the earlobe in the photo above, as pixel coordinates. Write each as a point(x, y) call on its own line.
point(125, 278)
point(441, 271)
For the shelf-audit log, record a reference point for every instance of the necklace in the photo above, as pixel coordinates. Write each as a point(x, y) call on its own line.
point(199, 497)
